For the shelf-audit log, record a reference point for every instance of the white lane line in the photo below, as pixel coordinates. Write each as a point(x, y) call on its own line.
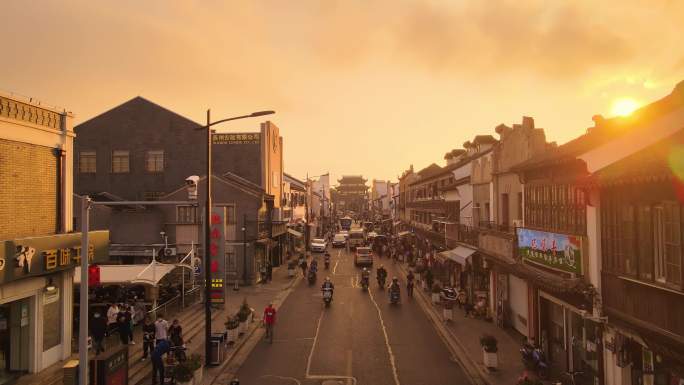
point(335, 267)
point(308, 374)
point(282, 378)
point(387, 344)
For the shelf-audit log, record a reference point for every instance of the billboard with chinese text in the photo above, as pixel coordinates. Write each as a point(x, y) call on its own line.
point(556, 251)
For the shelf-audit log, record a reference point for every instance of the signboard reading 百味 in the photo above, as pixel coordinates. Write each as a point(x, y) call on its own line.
point(248, 138)
point(556, 251)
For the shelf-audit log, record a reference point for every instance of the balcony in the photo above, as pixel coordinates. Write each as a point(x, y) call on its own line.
point(495, 240)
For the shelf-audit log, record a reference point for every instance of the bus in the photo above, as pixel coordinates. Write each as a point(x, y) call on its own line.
point(357, 237)
point(345, 223)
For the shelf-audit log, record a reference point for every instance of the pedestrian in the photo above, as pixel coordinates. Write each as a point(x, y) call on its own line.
point(138, 311)
point(124, 324)
point(269, 320)
point(303, 265)
point(149, 332)
point(176, 333)
point(112, 315)
point(429, 278)
point(158, 362)
point(409, 283)
point(461, 298)
point(269, 271)
point(161, 329)
point(262, 273)
point(98, 330)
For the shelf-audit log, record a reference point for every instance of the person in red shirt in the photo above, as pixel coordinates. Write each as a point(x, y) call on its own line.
point(269, 321)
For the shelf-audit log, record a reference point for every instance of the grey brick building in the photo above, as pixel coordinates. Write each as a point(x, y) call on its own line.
point(142, 151)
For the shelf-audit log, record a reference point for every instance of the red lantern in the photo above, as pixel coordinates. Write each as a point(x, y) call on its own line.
point(93, 275)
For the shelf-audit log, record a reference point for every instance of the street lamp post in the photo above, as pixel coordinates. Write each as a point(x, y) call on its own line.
point(207, 229)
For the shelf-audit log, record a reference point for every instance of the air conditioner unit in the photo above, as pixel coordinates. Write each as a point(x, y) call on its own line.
point(517, 223)
point(170, 251)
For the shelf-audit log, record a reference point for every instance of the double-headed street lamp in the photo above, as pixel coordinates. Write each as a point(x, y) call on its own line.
point(207, 228)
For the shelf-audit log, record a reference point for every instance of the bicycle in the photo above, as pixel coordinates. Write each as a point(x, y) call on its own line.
point(269, 332)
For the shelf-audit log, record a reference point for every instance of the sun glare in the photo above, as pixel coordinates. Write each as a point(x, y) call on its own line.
point(624, 107)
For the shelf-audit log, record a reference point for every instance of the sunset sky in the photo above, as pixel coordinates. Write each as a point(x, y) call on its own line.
point(359, 86)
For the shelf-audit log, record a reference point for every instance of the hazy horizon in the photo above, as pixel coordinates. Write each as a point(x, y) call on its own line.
point(359, 87)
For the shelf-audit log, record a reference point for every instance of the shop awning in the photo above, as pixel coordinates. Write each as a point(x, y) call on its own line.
point(130, 274)
point(295, 233)
point(403, 233)
point(459, 255)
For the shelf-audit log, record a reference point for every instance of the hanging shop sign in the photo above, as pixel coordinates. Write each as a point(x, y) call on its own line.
point(36, 256)
point(217, 293)
point(247, 138)
point(556, 251)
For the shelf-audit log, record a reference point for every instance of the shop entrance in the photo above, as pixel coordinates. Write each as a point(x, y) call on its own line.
point(14, 340)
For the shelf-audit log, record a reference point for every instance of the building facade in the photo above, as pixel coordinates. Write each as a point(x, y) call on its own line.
point(352, 194)
point(39, 248)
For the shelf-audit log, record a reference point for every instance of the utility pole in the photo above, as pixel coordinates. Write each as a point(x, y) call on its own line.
point(244, 249)
point(306, 208)
point(207, 251)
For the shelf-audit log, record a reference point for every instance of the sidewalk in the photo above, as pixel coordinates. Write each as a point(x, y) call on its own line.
point(463, 337)
point(258, 297)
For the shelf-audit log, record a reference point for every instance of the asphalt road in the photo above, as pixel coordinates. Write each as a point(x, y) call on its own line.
point(360, 339)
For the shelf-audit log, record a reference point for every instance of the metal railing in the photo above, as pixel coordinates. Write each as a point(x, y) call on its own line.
point(175, 304)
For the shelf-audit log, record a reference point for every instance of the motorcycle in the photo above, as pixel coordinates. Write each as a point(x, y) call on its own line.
point(327, 296)
point(312, 277)
point(327, 261)
point(394, 296)
point(364, 283)
point(381, 282)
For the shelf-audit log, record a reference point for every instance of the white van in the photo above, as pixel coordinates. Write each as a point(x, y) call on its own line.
point(357, 238)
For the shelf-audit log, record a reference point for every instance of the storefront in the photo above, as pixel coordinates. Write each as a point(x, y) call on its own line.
point(36, 290)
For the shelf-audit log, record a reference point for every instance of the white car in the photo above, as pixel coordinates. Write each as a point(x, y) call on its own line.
point(363, 256)
point(319, 245)
point(340, 240)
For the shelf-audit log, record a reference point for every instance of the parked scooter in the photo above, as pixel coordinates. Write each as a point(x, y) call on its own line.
point(533, 358)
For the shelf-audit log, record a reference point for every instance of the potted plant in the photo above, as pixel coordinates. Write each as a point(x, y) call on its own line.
point(232, 324)
point(489, 348)
point(436, 291)
point(183, 374)
point(195, 365)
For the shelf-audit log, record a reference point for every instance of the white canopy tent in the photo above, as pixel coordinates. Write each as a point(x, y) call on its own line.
point(149, 274)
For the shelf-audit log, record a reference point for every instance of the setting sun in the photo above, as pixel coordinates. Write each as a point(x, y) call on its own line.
point(624, 107)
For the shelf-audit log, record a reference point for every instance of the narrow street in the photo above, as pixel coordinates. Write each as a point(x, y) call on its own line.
point(359, 339)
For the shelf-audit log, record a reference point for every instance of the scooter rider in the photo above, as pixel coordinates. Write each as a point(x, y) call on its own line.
point(327, 260)
point(365, 275)
point(328, 285)
point(314, 265)
point(381, 274)
point(394, 286)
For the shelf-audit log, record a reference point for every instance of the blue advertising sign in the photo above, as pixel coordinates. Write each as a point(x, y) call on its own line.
point(557, 251)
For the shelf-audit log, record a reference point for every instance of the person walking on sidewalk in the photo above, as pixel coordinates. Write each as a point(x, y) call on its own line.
point(158, 362)
point(303, 266)
point(112, 315)
point(124, 325)
point(149, 332)
point(409, 283)
point(269, 271)
point(98, 330)
point(429, 278)
point(269, 321)
point(161, 329)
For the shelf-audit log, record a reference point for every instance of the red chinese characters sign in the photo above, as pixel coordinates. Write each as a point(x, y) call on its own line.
point(217, 236)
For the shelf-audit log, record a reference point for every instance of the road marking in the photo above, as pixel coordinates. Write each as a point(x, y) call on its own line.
point(349, 366)
point(283, 378)
point(387, 344)
point(335, 267)
point(308, 374)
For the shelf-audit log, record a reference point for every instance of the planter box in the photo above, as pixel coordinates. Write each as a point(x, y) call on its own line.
point(232, 335)
point(490, 360)
point(243, 327)
point(197, 376)
point(435, 298)
point(448, 314)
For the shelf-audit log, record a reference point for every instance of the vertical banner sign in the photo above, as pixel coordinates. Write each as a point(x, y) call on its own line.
point(216, 255)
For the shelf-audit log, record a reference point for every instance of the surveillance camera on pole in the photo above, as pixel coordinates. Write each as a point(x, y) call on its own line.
point(192, 182)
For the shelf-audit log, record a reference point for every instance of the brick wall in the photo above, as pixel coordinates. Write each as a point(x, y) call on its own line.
point(28, 190)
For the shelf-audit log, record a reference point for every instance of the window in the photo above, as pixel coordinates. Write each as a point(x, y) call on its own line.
point(186, 214)
point(230, 215)
point(559, 208)
point(120, 162)
point(87, 162)
point(276, 180)
point(520, 207)
point(668, 244)
point(154, 161)
point(231, 265)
